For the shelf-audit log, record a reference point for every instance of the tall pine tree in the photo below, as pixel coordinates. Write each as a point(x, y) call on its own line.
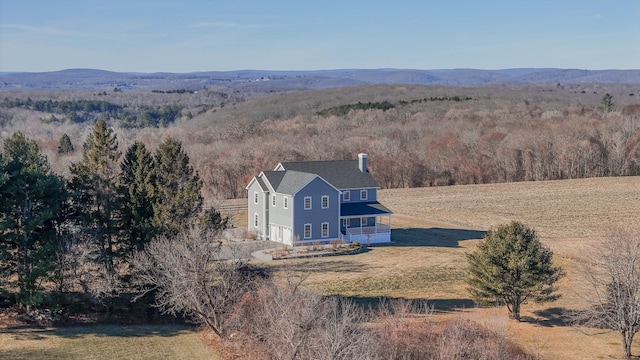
point(136, 189)
point(94, 185)
point(178, 197)
point(32, 197)
point(65, 146)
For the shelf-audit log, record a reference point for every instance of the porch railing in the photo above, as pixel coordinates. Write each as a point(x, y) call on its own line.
point(364, 230)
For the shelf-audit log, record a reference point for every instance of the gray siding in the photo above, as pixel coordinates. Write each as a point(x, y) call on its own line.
point(278, 214)
point(316, 215)
point(257, 208)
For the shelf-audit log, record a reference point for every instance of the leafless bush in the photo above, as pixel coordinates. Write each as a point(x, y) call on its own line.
point(613, 272)
point(191, 275)
point(80, 268)
point(399, 334)
point(405, 330)
point(466, 339)
point(290, 322)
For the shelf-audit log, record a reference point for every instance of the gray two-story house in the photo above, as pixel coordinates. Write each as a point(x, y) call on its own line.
point(318, 201)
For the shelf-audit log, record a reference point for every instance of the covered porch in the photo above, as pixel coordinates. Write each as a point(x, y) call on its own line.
point(366, 223)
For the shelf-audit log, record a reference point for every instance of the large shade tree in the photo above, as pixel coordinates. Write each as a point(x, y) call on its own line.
point(510, 267)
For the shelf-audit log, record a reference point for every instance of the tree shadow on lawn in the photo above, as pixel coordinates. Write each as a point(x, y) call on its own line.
point(438, 305)
point(99, 330)
point(555, 316)
point(442, 237)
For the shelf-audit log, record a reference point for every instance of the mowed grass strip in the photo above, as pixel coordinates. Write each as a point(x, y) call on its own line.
point(104, 342)
point(410, 283)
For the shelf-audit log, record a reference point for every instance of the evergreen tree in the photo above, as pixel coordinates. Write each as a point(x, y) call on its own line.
point(178, 198)
point(511, 266)
point(136, 188)
point(93, 182)
point(32, 197)
point(607, 103)
point(213, 221)
point(65, 146)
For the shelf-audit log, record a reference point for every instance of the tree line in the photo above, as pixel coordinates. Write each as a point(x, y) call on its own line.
point(80, 111)
point(78, 234)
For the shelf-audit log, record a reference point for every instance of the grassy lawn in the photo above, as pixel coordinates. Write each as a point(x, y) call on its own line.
point(104, 342)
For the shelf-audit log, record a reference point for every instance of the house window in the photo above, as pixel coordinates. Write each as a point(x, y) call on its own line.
point(363, 221)
point(285, 202)
point(255, 197)
point(325, 202)
point(345, 222)
point(255, 220)
point(307, 202)
point(346, 195)
point(325, 230)
point(307, 231)
point(363, 194)
point(273, 200)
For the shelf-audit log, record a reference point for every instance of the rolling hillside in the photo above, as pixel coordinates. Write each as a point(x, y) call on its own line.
point(268, 81)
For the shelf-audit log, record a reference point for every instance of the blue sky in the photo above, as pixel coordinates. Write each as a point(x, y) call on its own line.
point(201, 35)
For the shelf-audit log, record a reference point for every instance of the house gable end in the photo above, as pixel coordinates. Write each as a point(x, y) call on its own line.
point(269, 187)
point(311, 180)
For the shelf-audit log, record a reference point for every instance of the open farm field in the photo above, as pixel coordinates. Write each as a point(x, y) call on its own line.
point(434, 227)
point(104, 342)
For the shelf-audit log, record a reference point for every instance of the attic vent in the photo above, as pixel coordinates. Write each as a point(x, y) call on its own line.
point(362, 162)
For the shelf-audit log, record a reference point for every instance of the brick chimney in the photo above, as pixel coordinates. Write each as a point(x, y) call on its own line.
point(362, 162)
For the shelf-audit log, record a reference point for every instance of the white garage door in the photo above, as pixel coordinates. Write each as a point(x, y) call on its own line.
point(286, 236)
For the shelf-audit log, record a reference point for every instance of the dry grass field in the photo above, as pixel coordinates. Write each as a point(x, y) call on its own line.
point(434, 227)
point(104, 342)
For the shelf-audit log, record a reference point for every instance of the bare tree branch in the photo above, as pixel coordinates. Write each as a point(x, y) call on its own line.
point(613, 272)
point(190, 276)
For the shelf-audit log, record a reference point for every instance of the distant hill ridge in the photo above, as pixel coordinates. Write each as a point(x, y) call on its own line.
point(318, 79)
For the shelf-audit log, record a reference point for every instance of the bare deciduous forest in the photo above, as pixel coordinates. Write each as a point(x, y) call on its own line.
point(428, 136)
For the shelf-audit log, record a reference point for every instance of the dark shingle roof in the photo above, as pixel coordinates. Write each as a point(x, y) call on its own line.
point(360, 209)
point(288, 182)
point(263, 186)
point(342, 174)
point(274, 178)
